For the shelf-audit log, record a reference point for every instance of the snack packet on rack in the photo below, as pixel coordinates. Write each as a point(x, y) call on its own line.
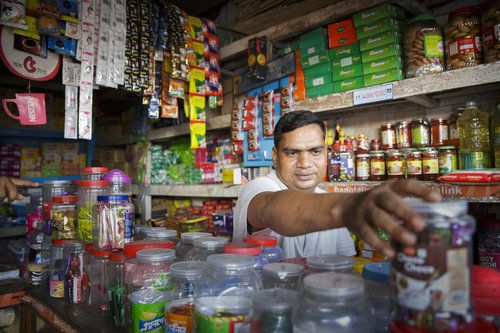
point(198, 134)
point(472, 176)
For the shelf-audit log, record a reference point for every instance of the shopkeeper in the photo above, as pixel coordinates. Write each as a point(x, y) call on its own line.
point(306, 219)
point(8, 187)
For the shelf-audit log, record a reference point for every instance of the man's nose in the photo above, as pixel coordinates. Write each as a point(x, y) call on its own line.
point(305, 160)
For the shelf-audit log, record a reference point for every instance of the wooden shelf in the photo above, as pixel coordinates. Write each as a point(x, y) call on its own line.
point(190, 190)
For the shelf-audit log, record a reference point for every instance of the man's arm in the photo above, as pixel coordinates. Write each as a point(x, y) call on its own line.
point(8, 187)
point(292, 212)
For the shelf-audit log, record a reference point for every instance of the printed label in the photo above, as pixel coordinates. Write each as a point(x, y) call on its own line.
point(388, 138)
point(447, 164)
point(420, 135)
point(160, 282)
point(318, 81)
point(454, 132)
point(377, 168)
point(490, 260)
point(395, 168)
point(208, 324)
point(475, 160)
point(414, 167)
point(313, 60)
point(465, 45)
point(491, 35)
point(362, 169)
point(129, 226)
point(182, 321)
point(148, 317)
point(346, 62)
point(433, 45)
point(56, 288)
point(431, 166)
point(311, 50)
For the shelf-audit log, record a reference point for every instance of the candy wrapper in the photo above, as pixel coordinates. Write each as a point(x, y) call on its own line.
point(114, 224)
point(268, 113)
point(198, 134)
point(237, 133)
point(238, 147)
point(13, 13)
point(253, 140)
point(197, 107)
point(250, 112)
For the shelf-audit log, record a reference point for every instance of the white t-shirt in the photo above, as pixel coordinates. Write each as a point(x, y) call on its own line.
point(333, 241)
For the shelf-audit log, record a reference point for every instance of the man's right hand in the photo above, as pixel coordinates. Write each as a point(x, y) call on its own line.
point(8, 187)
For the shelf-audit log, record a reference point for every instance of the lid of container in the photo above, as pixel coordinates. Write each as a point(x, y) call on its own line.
point(422, 119)
point(142, 228)
point(274, 300)
point(161, 233)
point(262, 240)
point(208, 242)
point(446, 147)
point(95, 169)
point(229, 261)
point(438, 119)
point(423, 149)
point(59, 241)
point(151, 255)
point(56, 182)
point(117, 255)
point(463, 10)
point(116, 176)
point(114, 198)
point(65, 198)
point(446, 208)
point(377, 271)
point(424, 17)
point(190, 270)
point(132, 248)
point(89, 247)
point(283, 269)
point(94, 183)
point(246, 249)
point(75, 182)
point(100, 253)
point(330, 262)
point(334, 284)
point(363, 155)
point(190, 236)
point(74, 245)
point(359, 263)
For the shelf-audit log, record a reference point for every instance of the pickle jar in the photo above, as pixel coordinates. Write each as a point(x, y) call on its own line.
point(88, 192)
point(363, 167)
point(420, 133)
point(430, 163)
point(463, 38)
point(490, 24)
point(447, 159)
point(424, 47)
point(64, 217)
point(363, 144)
point(394, 165)
point(439, 132)
point(414, 165)
point(354, 142)
point(403, 134)
point(377, 165)
point(388, 134)
point(375, 144)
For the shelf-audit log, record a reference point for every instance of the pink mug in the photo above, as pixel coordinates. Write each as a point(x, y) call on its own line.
point(31, 108)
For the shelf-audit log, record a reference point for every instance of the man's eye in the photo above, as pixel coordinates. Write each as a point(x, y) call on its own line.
point(292, 153)
point(316, 152)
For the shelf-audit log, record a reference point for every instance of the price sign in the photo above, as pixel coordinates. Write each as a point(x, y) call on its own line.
point(373, 94)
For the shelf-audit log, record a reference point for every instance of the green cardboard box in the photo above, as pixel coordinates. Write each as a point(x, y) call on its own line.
point(378, 40)
point(314, 35)
point(384, 51)
point(383, 64)
point(377, 13)
point(383, 77)
point(318, 69)
point(374, 28)
point(312, 49)
point(319, 91)
point(347, 61)
point(313, 42)
point(343, 73)
point(344, 51)
point(319, 80)
point(316, 59)
point(352, 83)
point(288, 49)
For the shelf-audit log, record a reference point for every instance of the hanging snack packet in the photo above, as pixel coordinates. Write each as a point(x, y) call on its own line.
point(176, 88)
point(49, 7)
point(13, 13)
point(199, 52)
point(213, 101)
point(237, 147)
point(286, 98)
point(68, 7)
point(197, 81)
point(237, 133)
point(212, 44)
point(62, 45)
point(48, 25)
point(197, 107)
point(253, 139)
point(268, 113)
point(169, 108)
point(196, 30)
point(250, 112)
point(198, 134)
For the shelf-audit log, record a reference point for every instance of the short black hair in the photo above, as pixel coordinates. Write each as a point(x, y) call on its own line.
point(295, 119)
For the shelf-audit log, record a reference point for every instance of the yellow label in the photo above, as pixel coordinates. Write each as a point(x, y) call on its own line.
point(431, 166)
point(433, 45)
point(378, 168)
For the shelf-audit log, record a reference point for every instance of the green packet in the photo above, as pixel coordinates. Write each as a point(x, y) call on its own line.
point(197, 107)
point(198, 132)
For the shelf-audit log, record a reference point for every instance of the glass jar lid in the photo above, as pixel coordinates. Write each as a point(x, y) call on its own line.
point(155, 255)
point(246, 249)
point(190, 270)
point(334, 284)
point(363, 156)
point(190, 236)
point(446, 147)
point(113, 198)
point(50, 183)
point(282, 270)
point(210, 242)
point(65, 198)
point(330, 262)
point(161, 233)
point(228, 261)
point(275, 300)
point(262, 240)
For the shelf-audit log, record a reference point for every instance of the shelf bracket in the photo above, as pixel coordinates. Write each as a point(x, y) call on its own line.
point(423, 100)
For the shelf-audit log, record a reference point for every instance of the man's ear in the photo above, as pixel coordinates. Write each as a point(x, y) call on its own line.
point(275, 156)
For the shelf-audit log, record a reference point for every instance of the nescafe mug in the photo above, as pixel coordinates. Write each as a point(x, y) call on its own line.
point(31, 108)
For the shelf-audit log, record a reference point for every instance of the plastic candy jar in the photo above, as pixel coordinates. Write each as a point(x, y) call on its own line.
point(146, 286)
point(88, 192)
point(333, 302)
point(75, 184)
point(377, 165)
point(51, 189)
point(116, 287)
point(119, 183)
point(270, 249)
point(163, 234)
point(431, 279)
point(282, 275)
point(205, 246)
point(76, 288)
point(93, 173)
point(98, 276)
point(329, 263)
point(140, 231)
point(57, 268)
point(131, 249)
point(186, 243)
point(248, 249)
point(378, 292)
point(64, 217)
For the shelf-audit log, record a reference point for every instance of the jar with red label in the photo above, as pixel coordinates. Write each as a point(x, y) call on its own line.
point(354, 142)
point(363, 144)
point(403, 134)
point(388, 134)
point(414, 165)
point(362, 167)
point(375, 145)
point(394, 165)
point(420, 133)
point(491, 26)
point(430, 163)
point(463, 38)
point(439, 132)
point(377, 165)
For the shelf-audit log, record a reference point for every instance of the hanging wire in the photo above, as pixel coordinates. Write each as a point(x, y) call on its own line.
point(29, 86)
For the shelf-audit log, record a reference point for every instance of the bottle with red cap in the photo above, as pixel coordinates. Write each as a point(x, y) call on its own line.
point(116, 287)
point(98, 276)
point(248, 249)
point(270, 249)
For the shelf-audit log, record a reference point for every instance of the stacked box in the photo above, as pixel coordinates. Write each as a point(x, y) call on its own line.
point(379, 30)
point(299, 88)
point(51, 159)
point(289, 49)
point(70, 165)
point(341, 33)
point(10, 160)
point(347, 68)
point(31, 162)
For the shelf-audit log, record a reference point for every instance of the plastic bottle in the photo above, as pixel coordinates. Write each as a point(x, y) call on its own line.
point(496, 136)
point(33, 213)
point(474, 138)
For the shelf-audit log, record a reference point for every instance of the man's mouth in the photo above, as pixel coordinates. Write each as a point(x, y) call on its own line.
point(304, 176)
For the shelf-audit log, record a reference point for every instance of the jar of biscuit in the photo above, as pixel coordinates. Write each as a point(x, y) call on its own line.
point(424, 47)
point(491, 25)
point(463, 38)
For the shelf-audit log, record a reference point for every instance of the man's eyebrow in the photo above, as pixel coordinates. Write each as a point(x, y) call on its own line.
point(288, 149)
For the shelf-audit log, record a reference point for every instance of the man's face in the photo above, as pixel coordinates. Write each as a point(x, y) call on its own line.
point(301, 158)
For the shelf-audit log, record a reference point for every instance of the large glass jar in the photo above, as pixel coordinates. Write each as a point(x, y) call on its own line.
point(420, 133)
point(51, 189)
point(414, 165)
point(163, 234)
point(222, 296)
point(430, 163)
point(116, 288)
point(333, 302)
point(388, 134)
point(76, 288)
point(248, 249)
point(88, 192)
point(491, 25)
point(439, 132)
point(424, 47)
point(131, 249)
point(205, 246)
point(64, 217)
point(57, 268)
point(270, 249)
point(431, 279)
point(463, 38)
point(378, 292)
point(403, 134)
point(146, 286)
point(377, 165)
point(329, 263)
point(186, 243)
point(93, 173)
point(282, 275)
point(99, 279)
point(141, 230)
point(394, 165)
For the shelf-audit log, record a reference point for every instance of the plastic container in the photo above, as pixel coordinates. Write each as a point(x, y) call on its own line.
point(420, 133)
point(64, 217)
point(99, 278)
point(432, 278)
point(377, 165)
point(439, 132)
point(378, 292)
point(424, 47)
point(131, 249)
point(112, 222)
point(248, 249)
point(205, 246)
point(75, 184)
point(490, 24)
point(146, 286)
point(186, 243)
point(116, 288)
point(76, 288)
point(119, 183)
point(88, 192)
point(271, 311)
point(87, 255)
point(163, 234)
point(270, 249)
point(34, 213)
point(329, 263)
point(51, 189)
point(93, 173)
point(140, 231)
point(333, 302)
point(282, 275)
point(57, 269)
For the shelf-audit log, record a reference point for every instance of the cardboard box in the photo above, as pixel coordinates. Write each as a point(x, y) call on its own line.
point(377, 13)
point(319, 91)
point(384, 51)
point(343, 73)
point(379, 40)
point(349, 84)
point(31, 162)
point(317, 59)
point(383, 77)
point(288, 49)
point(313, 36)
point(51, 154)
point(313, 49)
point(375, 28)
point(317, 70)
point(257, 51)
point(113, 155)
point(341, 27)
point(347, 61)
point(231, 176)
point(345, 38)
point(318, 80)
point(70, 165)
point(344, 51)
point(379, 65)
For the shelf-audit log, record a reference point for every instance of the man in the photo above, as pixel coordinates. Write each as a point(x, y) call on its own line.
point(310, 221)
point(8, 187)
